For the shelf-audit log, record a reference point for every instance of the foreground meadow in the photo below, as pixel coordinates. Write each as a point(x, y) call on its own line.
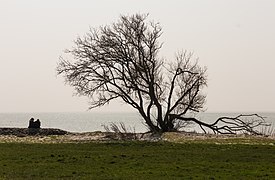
point(136, 160)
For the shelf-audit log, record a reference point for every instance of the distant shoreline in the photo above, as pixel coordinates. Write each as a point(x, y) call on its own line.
point(48, 135)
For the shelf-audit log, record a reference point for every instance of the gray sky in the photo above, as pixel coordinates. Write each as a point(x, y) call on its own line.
point(234, 38)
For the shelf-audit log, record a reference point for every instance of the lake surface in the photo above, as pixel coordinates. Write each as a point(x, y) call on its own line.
point(88, 121)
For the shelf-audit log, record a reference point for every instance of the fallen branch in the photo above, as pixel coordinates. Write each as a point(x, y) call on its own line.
point(243, 123)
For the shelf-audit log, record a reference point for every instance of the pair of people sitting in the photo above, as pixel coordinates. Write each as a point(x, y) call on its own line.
point(34, 124)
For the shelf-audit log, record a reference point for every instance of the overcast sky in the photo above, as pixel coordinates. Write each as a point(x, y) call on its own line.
point(235, 39)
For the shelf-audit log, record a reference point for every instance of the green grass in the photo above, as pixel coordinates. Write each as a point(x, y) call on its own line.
point(136, 160)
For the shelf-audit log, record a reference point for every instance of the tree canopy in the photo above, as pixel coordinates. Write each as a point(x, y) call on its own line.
point(120, 61)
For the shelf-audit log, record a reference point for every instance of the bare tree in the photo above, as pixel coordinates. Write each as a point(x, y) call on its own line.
point(121, 61)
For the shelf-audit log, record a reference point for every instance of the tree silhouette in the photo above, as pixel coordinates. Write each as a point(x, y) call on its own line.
point(121, 61)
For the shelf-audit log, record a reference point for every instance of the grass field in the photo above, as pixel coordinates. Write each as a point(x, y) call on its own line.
point(136, 160)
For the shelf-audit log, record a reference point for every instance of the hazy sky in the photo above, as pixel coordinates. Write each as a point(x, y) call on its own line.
point(235, 39)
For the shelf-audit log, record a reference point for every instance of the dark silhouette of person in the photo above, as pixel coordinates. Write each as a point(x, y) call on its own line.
point(31, 122)
point(38, 123)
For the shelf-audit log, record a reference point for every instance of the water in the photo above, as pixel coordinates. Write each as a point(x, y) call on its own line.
point(73, 122)
point(88, 122)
